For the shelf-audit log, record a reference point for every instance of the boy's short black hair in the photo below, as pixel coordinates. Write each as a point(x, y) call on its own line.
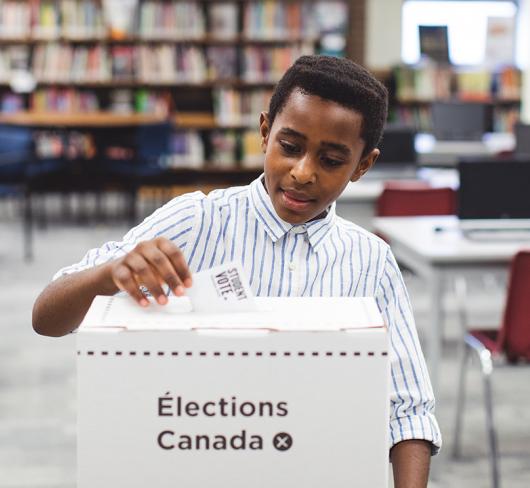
point(339, 80)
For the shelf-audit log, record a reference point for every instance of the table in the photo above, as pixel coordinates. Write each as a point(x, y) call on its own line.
point(436, 249)
point(432, 152)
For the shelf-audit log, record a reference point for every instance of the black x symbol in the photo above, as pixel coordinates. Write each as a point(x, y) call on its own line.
point(282, 441)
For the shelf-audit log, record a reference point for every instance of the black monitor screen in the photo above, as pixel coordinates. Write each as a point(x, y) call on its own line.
point(494, 190)
point(522, 139)
point(434, 42)
point(461, 121)
point(397, 146)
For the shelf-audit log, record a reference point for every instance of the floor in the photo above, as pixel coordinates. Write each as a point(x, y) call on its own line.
point(38, 375)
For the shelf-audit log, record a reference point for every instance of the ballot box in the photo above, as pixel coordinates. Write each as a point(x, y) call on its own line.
point(293, 395)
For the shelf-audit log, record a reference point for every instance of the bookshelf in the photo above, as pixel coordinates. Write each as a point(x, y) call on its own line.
point(414, 89)
point(209, 66)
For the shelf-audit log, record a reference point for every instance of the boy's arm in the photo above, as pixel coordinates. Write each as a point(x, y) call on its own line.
point(62, 305)
point(410, 463)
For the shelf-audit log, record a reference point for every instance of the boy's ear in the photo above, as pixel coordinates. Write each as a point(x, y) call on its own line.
point(264, 129)
point(365, 164)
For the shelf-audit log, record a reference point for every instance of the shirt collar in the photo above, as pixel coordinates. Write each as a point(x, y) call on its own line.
point(276, 228)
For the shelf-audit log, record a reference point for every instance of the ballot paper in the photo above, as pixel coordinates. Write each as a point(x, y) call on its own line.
point(223, 288)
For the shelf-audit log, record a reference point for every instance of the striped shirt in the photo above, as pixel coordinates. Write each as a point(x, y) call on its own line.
point(325, 257)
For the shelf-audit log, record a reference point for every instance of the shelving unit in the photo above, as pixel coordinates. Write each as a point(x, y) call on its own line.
point(207, 65)
point(414, 89)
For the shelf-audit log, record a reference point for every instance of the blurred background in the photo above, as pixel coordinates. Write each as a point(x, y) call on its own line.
point(109, 108)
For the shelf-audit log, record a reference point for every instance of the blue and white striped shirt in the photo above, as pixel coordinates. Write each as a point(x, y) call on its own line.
point(324, 257)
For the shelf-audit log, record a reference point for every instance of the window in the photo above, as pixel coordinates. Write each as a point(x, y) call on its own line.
point(466, 23)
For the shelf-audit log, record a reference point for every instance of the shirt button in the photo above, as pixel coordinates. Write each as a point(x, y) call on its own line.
point(299, 229)
point(292, 266)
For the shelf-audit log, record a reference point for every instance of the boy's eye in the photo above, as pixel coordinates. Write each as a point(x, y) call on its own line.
point(331, 161)
point(289, 148)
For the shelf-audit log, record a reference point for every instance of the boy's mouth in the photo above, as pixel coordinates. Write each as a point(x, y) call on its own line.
point(296, 200)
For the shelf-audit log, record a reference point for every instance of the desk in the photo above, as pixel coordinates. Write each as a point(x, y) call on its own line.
point(437, 256)
point(447, 153)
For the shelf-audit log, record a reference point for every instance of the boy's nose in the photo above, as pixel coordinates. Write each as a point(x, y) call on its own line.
point(303, 171)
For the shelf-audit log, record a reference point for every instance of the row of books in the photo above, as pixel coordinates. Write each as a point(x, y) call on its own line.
point(70, 145)
point(504, 84)
point(69, 100)
point(428, 83)
point(270, 64)
point(262, 19)
point(48, 19)
point(219, 149)
point(63, 63)
point(433, 82)
point(13, 58)
point(240, 108)
point(504, 118)
point(171, 20)
point(63, 100)
point(187, 148)
point(161, 63)
point(231, 107)
point(277, 19)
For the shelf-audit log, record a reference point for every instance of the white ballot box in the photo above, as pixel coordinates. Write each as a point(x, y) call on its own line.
point(295, 395)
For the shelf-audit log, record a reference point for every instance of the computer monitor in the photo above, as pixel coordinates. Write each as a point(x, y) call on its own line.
point(522, 140)
point(434, 42)
point(397, 146)
point(461, 121)
point(493, 190)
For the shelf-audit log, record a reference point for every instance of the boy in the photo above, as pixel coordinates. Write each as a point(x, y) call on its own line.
point(324, 122)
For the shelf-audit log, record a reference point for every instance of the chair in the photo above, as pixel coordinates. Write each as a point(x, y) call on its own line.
point(414, 198)
point(511, 342)
point(16, 154)
point(16, 150)
point(400, 199)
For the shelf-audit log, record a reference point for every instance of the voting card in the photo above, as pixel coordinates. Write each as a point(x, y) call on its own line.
point(222, 288)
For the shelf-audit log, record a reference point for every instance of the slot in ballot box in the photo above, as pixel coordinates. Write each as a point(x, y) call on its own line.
point(295, 395)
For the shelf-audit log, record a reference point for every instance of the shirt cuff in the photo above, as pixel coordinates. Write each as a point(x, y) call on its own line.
point(421, 427)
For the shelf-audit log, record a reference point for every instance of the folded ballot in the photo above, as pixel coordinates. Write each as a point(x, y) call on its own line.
point(223, 288)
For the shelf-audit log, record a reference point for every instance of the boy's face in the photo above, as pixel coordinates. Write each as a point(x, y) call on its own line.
point(312, 151)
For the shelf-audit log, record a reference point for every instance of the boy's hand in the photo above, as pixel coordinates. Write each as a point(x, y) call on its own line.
point(151, 264)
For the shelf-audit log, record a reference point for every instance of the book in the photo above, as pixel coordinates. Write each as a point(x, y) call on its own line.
point(153, 102)
point(187, 150)
point(123, 62)
point(224, 147)
point(171, 20)
point(15, 19)
point(251, 152)
point(222, 62)
point(223, 20)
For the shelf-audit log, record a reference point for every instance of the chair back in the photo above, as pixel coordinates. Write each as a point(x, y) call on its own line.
point(412, 200)
point(16, 152)
point(153, 141)
point(514, 337)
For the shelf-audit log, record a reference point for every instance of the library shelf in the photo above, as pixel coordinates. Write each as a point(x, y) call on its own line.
point(206, 66)
point(181, 120)
point(135, 83)
point(89, 119)
point(203, 40)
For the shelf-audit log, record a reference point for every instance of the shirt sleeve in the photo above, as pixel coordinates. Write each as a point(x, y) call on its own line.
point(176, 221)
point(412, 399)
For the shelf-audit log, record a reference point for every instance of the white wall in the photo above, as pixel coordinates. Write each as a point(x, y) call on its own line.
point(383, 33)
